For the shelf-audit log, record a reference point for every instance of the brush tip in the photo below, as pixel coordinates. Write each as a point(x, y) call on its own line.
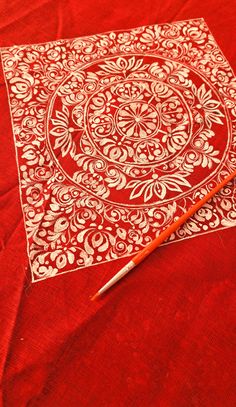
point(95, 297)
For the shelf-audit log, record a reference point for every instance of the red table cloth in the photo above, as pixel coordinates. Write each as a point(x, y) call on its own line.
point(166, 335)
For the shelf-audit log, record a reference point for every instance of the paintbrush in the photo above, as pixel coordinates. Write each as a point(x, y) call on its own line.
point(140, 256)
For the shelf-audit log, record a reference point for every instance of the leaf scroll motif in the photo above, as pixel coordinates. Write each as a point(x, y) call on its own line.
point(63, 132)
point(157, 186)
point(121, 65)
point(210, 106)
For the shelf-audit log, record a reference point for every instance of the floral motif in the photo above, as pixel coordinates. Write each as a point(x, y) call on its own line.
point(121, 65)
point(139, 107)
point(137, 119)
point(175, 138)
point(209, 105)
point(141, 123)
point(24, 87)
point(157, 186)
point(116, 135)
point(62, 131)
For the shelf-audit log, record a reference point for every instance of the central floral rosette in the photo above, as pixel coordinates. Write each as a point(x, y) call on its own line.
point(136, 131)
point(138, 122)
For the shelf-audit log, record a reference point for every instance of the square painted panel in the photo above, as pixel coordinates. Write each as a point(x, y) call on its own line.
point(117, 135)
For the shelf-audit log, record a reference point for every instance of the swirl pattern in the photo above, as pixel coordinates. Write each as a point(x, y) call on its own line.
point(117, 134)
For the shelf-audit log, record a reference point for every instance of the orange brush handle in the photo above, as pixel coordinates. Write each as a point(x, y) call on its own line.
point(174, 226)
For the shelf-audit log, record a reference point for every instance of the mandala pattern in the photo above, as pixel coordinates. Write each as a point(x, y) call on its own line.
point(118, 134)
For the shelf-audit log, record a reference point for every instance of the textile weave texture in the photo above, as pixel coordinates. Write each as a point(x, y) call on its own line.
point(164, 336)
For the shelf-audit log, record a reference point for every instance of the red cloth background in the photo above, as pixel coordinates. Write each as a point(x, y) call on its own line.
point(166, 335)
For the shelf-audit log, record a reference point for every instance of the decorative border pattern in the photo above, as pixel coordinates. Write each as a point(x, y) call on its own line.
point(74, 181)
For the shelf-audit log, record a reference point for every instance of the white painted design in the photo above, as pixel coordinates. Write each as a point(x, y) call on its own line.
point(116, 135)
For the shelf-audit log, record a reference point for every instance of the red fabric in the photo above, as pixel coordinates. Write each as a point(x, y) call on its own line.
point(166, 335)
